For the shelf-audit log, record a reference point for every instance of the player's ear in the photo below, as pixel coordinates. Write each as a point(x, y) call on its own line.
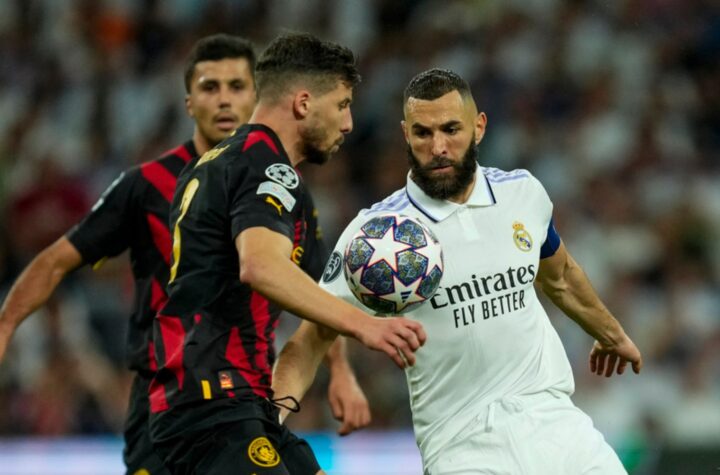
point(480, 124)
point(301, 103)
point(188, 105)
point(403, 124)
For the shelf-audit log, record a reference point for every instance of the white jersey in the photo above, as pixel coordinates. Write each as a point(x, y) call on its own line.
point(488, 337)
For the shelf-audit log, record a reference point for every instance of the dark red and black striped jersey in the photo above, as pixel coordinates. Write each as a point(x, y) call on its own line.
point(133, 214)
point(215, 335)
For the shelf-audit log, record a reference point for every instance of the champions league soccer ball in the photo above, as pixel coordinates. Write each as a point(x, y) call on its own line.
point(393, 264)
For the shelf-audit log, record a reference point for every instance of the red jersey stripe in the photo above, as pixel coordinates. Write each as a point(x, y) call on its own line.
point(158, 398)
point(173, 338)
point(179, 151)
point(160, 178)
point(161, 236)
point(152, 362)
point(261, 316)
point(259, 136)
point(236, 355)
point(158, 297)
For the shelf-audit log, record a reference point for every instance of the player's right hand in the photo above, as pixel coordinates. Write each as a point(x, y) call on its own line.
point(397, 337)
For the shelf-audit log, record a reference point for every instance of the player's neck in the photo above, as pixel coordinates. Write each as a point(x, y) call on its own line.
point(284, 127)
point(200, 142)
point(464, 195)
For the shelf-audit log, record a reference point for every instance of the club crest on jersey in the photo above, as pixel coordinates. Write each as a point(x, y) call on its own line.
point(283, 174)
point(521, 237)
point(333, 267)
point(262, 453)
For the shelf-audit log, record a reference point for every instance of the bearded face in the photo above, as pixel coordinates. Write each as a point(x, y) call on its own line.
point(449, 183)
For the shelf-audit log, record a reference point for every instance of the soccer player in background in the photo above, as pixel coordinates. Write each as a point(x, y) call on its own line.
point(240, 231)
point(490, 391)
point(133, 214)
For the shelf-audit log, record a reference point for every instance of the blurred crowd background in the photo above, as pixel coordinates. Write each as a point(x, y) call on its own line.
point(613, 105)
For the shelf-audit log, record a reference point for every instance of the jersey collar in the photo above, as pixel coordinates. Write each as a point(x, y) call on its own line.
point(438, 210)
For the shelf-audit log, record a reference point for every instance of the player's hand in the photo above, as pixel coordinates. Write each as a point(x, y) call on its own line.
point(606, 360)
point(397, 337)
point(348, 402)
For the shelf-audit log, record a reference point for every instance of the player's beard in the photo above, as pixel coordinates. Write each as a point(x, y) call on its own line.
point(447, 186)
point(311, 148)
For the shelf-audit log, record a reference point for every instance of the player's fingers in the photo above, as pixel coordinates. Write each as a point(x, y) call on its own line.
point(409, 336)
point(637, 366)
point(600, 364)
point(612, 360)
point(337, 409)
point(394, 354)
point(622, 364)
point(345, 429)
point(418, 329)
point(405, 350)
point(366, 417)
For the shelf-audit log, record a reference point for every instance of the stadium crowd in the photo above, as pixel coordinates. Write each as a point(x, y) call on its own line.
point(615, 106)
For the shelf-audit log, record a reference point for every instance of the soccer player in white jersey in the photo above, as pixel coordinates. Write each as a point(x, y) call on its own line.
point(490, 391)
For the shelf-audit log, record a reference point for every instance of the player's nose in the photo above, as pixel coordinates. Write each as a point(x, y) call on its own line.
point(347, 123)
point(439, 145)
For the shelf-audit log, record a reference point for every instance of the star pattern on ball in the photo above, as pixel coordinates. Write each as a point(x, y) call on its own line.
point(389, 243)
point(408, 293)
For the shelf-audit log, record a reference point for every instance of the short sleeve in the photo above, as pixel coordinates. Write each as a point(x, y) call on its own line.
point(105, 231)
point(263, 191)
point(333, 277)
point(551, 241)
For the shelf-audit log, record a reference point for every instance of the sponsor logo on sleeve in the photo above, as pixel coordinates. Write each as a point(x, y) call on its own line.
point(273, 189)
point(332, 268)
point(283, 174)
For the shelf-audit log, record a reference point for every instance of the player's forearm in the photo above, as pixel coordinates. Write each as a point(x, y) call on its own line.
point(575, 296)
point(298, 361)
point(34, 287)
point(278, 279)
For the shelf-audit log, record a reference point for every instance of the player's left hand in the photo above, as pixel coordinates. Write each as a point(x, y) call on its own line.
point(348, 403)
point(606, 359)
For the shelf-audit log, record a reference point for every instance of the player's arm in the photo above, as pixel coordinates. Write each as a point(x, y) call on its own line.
point(299, 359)
point(567, 285)
point(347, 400)
point(35, 285)
point(265, 266)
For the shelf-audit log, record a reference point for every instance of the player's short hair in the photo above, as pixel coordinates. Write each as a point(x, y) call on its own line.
point(218, 47)
point(301, 58)
point(434, 83)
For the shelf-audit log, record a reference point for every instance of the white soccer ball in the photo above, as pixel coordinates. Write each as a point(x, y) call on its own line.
point(393, 264)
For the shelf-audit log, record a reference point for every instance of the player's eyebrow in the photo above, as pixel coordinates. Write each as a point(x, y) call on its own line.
point(445, 125)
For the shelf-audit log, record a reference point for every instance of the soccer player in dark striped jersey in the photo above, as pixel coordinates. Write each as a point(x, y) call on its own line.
point(240, 235)
point(133, 214)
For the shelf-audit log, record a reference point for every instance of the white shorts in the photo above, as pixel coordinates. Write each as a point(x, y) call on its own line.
point(540, 434)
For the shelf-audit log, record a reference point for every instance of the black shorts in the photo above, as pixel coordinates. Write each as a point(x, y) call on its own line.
point(139, 453)
point(257, 445)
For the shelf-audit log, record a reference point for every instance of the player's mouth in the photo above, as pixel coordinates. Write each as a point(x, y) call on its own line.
point(441, 168)
point(226, 122)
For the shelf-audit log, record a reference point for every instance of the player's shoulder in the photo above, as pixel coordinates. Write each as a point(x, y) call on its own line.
point(517, 182)
point(396, 202)
point(497, 175)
